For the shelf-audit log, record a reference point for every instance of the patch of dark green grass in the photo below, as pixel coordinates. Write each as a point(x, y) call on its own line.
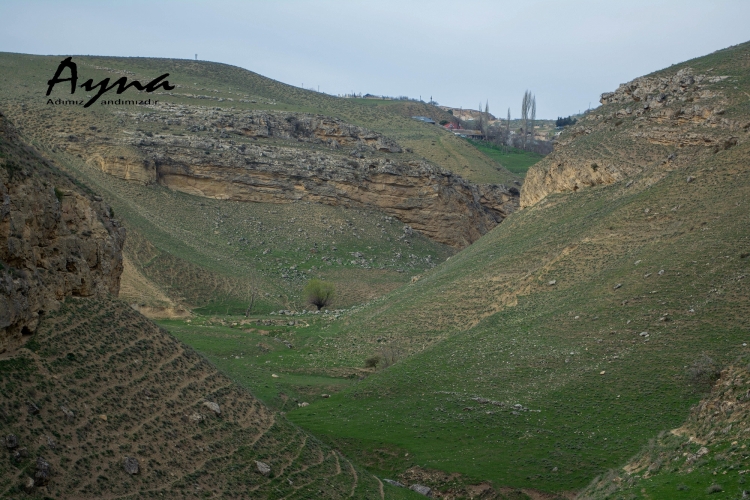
point(516, 160)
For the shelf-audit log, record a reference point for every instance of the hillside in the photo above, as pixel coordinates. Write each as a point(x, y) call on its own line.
point(706, 455)
point(99, 384)
point(98, 402)
point(548, 352)
point(215, 85)
point(659, 122)
point(585, 310)
point(59, 239)
point(334, 190)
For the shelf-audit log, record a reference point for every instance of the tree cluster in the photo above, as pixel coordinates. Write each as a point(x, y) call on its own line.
point(564, 122)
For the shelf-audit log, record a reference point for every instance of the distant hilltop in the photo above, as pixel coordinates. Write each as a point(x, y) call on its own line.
point(466, 114)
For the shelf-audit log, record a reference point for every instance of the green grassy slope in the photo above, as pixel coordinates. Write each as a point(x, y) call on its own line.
point(516, 160)
point(660, 257)
point(207, 254)
point(450, 406)
point(706, 457)
point(23, 78)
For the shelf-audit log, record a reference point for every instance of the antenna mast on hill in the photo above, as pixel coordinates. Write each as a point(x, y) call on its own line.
point(196, 57)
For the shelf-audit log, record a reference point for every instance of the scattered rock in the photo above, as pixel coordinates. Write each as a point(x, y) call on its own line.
point(643, 334)
point(661, 272)
point(303, 404)
point(32, 408)
point(214, 407)
point(11, 441)
point(28, 484)
point(43, 472)
point(263, 467)
point(552, 282)
point(393, 483)
point(602, 372)
point(69, 415)
point(20, 454)
point(695, 456)
point(274, 375)
point(103, 417)
point(618, 286)
point(690, 179)
point(422, 490)
point(325, 396)
point(130, 465)
point(196, 417)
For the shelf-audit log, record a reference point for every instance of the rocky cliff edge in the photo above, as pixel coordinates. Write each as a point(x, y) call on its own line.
point(56, 239)
point(651, 124)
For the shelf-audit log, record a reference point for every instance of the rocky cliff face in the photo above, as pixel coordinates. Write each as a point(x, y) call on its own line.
point(289, 157)
point(56, 240)
point(650, 124)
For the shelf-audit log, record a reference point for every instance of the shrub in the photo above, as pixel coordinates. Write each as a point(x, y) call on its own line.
point(703, 372)
point(372, 362)
point(389, 355)
point(714, 488)
point(319, 293)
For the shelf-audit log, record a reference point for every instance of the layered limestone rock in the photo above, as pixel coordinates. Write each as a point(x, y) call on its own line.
point(289, 157)
point(651, 123)
point(56, 240)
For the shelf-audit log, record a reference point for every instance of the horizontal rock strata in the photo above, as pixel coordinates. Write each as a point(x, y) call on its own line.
point(289, 157)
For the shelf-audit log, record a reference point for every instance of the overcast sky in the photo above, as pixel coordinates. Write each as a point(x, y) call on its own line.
point(460, 52)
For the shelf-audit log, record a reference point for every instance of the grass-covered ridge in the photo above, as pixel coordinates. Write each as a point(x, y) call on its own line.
point(510, 338)
point(24, 80)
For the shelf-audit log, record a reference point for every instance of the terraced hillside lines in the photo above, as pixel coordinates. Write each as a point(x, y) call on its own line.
point(706, 455)
point(98, 383)
point(557, 345)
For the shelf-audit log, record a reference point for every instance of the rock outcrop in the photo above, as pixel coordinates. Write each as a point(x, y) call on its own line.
point(290, 157)
point(56, 239)
point(717, 429)
point(651, 123)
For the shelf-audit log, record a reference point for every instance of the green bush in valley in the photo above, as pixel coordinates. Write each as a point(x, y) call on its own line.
point(319, 293)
